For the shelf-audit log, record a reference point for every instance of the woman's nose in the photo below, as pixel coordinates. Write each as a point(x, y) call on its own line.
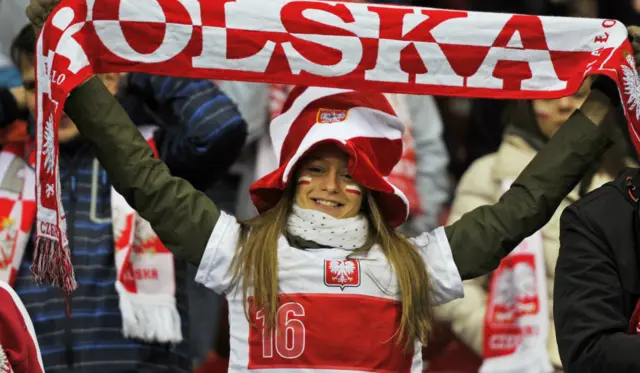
point(330, 181)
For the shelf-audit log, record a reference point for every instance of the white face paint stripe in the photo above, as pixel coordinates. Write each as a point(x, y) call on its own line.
point(304, 180)
point(354, 189)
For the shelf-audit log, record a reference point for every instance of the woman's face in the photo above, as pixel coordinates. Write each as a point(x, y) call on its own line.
point(324, 184)
point(552, 114)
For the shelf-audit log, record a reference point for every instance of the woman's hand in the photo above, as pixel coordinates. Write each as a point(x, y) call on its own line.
point(604, 91)
point(38, 11)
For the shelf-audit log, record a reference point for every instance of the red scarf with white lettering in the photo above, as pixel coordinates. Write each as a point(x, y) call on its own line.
point(382, 48)
point(145, 268)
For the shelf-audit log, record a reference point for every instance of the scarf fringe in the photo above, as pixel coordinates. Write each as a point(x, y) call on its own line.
point(52, 265)
point(150, 318)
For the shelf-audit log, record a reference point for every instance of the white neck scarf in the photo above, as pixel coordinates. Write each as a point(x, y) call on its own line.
point(324, 229)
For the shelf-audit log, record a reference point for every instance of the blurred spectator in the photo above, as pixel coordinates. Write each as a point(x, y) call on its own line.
point(231, 194)
point(201, 133)
point(479, 136)
point(13, 125)
point(12, 18)
point(430, 182)
point(530, 126)
point(13, 115)
point(252, 100)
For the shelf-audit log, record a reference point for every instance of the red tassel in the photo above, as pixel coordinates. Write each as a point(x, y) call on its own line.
point(52, 265)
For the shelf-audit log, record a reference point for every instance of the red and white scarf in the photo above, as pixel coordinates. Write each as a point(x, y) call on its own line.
point(145, 268)
point(383, 48)
point(516, 324)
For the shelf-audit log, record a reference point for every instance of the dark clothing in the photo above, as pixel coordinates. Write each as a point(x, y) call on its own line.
point(621, 10)
point(9, 111)
point(597, 283)
point(203, 132)
point(485, 235)
point(521, 121)
point(184, 217)
point(205, 128)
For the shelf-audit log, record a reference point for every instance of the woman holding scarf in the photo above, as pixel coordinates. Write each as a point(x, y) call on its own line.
point(323, 263)
point(321, 279)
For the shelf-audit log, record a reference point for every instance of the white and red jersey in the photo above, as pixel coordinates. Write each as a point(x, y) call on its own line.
point(335, 314)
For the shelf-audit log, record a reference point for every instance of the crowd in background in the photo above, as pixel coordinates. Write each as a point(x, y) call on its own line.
point(457, 153)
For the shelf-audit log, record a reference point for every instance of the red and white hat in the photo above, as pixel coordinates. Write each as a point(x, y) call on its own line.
point(362, 124)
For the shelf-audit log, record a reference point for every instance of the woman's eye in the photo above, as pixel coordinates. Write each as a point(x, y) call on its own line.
point(315, 169)
point(347, 176)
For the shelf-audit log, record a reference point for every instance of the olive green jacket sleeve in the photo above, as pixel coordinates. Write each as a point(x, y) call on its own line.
point(182, 216)
point(485, 235)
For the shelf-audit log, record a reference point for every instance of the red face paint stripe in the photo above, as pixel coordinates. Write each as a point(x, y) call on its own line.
point(353, 189)
point(304, 180)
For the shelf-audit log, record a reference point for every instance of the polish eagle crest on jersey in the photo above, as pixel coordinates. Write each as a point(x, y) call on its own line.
point(342, 273)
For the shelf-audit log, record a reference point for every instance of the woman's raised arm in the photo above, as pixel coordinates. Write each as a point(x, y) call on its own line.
point(485, 235)
point(182, 216)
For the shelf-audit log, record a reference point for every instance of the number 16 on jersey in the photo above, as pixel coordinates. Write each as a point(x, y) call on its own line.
point(287, 339)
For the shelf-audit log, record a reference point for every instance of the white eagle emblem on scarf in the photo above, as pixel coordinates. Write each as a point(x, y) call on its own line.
point(49, 146)
point(632, 85)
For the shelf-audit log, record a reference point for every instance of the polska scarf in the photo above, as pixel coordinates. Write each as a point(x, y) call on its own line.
point(314, 43)
point(145, 268)
point(516, 323)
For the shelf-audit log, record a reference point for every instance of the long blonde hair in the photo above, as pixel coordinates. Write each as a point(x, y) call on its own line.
point(256, 264)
